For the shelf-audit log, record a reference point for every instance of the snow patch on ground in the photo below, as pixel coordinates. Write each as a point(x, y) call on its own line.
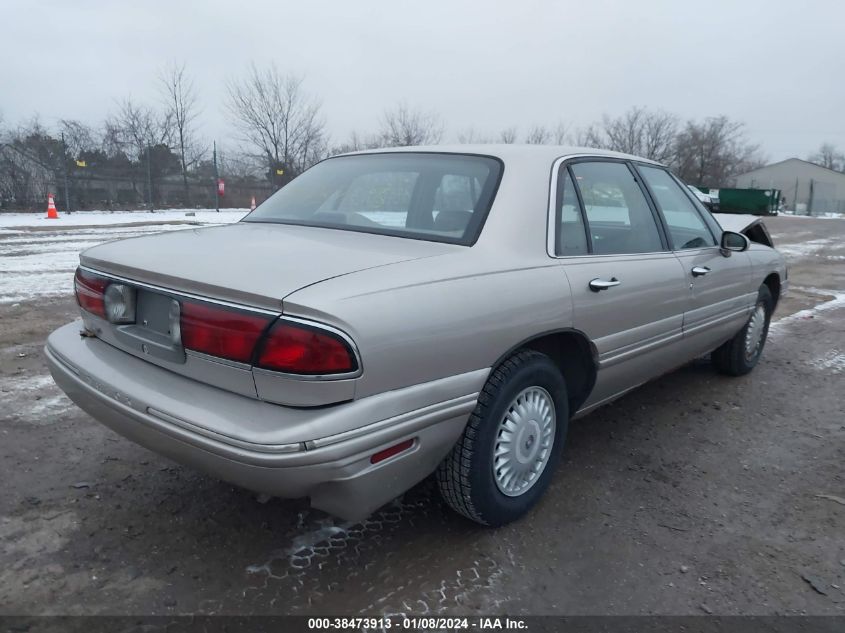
point(837, 301)
point(803, 249)
point(21, 249)
point(40, 263)
point(23, 238)
point(832, 362)
point(34, 263)
point(27, 287)
point(820, 216)
point(108, 218)
point(33, 398)
point(306, 546)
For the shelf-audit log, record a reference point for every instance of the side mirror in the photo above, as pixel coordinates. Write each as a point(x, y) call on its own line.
point(736, 242)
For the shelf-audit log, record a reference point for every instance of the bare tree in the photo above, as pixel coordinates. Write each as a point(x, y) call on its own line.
point(508, 135)
point(135, 128)
point(589, 136)
point(31, 161)
point(237, 165)
point(713, 151)
point(561, 133)
point(639, 131)
point(658, 140)
point(357, 142)
point(133, 133)
point(278, 120)
point(829, 156)
point(182, 107)
point(538, 135)
point(471, 136)
point(24, 180)
point(402, 126)
point(79, 138)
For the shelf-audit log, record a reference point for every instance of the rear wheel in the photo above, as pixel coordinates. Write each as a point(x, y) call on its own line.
point(505, 458)
point(740, 355)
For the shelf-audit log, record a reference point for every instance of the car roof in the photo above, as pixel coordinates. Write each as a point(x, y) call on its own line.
point(510, 152)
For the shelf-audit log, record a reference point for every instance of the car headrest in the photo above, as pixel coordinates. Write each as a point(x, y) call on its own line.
point(452, 220)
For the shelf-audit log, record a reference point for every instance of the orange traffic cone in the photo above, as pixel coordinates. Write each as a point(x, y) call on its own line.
point(252, 204)
point(52, 214)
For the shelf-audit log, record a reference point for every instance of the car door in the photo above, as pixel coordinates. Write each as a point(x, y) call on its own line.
point(719, 292)
point(628, 289)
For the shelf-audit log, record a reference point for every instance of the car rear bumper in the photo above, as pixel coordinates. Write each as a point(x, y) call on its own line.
point(321, 453)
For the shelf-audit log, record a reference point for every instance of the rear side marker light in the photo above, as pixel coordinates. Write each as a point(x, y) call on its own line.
point(390, 452)
point(295, 348)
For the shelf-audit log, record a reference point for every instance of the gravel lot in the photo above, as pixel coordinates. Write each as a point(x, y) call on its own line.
point(695, 494)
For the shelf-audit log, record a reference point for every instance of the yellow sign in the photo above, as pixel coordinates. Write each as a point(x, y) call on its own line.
point(280, 172)
point(81, 163)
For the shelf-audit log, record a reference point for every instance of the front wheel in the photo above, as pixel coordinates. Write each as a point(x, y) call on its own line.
point(505, 458)
point(740, 355)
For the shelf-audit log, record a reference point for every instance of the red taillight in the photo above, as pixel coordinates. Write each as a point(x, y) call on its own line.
point(90, 292)
point(220, 331)
point(299, 349)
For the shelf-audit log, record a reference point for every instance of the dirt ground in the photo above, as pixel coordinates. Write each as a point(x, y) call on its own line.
point(694, 494)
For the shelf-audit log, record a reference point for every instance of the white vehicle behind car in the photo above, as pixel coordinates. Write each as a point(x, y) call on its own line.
point(708, 200)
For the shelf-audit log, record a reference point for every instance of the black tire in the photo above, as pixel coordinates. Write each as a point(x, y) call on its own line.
point(465, 478)
point(731, 357)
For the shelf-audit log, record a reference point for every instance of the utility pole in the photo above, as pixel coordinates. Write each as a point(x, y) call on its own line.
point(150, 181)
point(64, 160)
point(216, 180)
point(810, 201)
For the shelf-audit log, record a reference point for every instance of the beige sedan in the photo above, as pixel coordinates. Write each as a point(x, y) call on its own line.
point(397, 313)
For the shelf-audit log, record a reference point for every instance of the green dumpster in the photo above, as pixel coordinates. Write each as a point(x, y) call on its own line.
point(753, 201)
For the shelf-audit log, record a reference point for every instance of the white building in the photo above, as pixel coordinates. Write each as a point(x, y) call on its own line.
point(806, 187)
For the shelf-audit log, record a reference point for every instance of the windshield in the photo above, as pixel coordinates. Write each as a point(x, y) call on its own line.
point(438, 197)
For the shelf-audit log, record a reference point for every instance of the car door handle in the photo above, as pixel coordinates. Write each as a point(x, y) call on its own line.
point(699, 271)
point(597, 285)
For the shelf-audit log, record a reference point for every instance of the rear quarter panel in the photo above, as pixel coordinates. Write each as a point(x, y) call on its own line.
point(432, 318)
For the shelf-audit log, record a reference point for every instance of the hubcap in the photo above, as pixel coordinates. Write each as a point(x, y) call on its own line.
point(754, 332)
point(524, 441)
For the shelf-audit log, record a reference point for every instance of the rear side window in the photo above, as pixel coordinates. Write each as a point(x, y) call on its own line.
point(438, 197)
point(619, 218)
point(685, 224)
point(571, 235)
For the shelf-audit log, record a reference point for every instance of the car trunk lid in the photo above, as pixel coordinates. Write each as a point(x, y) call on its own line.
point(255, 264)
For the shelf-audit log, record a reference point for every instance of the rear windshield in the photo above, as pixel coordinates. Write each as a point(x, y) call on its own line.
point(438, 197)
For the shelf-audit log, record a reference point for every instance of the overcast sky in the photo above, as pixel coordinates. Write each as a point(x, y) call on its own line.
point(778, 66)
